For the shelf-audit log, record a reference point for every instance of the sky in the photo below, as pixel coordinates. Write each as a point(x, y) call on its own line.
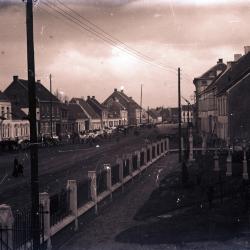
point(154, 38)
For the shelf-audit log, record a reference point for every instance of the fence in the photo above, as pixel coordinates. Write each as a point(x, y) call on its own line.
point(115, 174)
point(83, 192)
point(18, 234)
point(78, 198)
point(59, 206)
point(101, 182)
point(125, 168)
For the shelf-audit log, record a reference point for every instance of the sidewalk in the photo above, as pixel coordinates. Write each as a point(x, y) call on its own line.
point(116, 228)
point(101, 232)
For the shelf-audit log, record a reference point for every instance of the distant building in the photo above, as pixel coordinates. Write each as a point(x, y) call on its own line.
point(94, 119)
point(154, 116)
point(13, 122)
point(77, 119)
point(224, 104)
point(100, 109)
point(205, 103)
point(17, 92)
point(117, 114)
point(135, 113)
point(187, 113)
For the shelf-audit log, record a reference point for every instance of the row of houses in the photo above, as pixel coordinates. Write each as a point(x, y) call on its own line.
point(171, 114)
point(222, 99)
point(63, 119)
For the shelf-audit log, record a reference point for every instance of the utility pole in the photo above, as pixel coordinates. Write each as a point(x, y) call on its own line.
point(51, 106)
point(35, 225)
point(148, 114)
point(141, 104)
point(179, 109)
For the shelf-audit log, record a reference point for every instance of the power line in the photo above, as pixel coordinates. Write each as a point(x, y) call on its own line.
point(76, 21)
point(111, 36)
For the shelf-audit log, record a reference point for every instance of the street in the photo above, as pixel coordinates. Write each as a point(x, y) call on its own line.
point(57, 165)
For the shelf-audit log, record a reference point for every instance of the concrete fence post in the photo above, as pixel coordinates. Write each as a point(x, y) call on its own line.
point(72, 188)
point(168, 146)
point(93, 188)
point(154, 149)
point(229, 164)
point(107, 167)
point(120, 163)
point(245, 172)
point(145, 156)
point(138, 160)
point(6, 222)
point(130, 159)
point(44, 200)
point(216, 162)
point(162, 146)
point(150, 152)
point(191, 145)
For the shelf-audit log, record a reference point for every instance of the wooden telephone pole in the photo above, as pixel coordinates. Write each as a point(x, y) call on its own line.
point(51, 106)
point(179, 112)
point(141, 105)
point(33, 128)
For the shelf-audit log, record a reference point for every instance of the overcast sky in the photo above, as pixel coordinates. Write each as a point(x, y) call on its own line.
point(189, 34)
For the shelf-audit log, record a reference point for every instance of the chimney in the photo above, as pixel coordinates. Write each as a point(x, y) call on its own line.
point(93, 97)
point(38, 81)
point(122, 90)
point(88, 97)
point(247, 49)
point(220, 61)
point(237, 57)
point(15, 78)
point(230, 64)
point(115, 90)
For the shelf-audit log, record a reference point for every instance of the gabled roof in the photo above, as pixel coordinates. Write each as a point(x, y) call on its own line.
point(17, 113)
point(76, 111)
point(96, 106)
point(86, 107)
point(114, 109)
point(153, 113)
point(212, 85)
point(233, 74)
point(3, 97)
point(212, 72)
point(123, 99)
point(42, 94)
point(246, 79)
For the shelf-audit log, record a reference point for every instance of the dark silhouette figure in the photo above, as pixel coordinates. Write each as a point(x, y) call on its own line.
point(15, 168)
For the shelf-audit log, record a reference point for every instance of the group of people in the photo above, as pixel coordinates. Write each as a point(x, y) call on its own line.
point(17, 169)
